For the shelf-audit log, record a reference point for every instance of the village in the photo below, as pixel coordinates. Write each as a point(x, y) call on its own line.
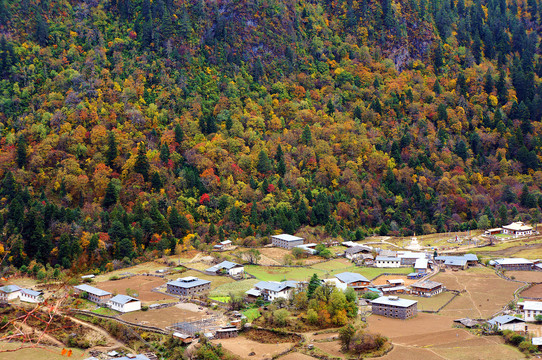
point(448, 289)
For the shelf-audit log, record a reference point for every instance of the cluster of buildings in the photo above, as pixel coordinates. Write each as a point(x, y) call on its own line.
point(9, 293)
point(121, 303)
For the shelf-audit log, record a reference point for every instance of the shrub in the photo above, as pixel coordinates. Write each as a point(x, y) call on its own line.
point(144, 308)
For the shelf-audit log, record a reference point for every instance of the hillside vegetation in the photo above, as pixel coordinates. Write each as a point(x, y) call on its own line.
point(131, 126)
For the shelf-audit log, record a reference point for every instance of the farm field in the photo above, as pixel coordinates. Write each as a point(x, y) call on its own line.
point(233, 287)
point(42, 353)
point(242, 347)
point(323, 270)
point(486, 293)
point(527, 276)
point(141, 284)
point(431, 303)
point(165, 317)
point(533, 292)
point(433, 337)
point(332, 348)
point(146, 267)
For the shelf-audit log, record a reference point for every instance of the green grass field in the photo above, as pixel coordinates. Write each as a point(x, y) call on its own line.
point(105, 311)
point(222, 299)
point(236, 287)
point(252, 314)
point(323, 270)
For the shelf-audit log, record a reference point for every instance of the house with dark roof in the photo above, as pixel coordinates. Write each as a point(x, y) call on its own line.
point(507, 322)
point(355, 281)
point(96, 295)
point(394, 307)
point(226, 267)
point(426, 288)
point(188, 286)
point(9, 293)
point(124, 303)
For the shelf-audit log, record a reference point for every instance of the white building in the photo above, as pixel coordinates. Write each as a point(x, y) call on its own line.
point(271, 290)
point(286, 241)
point(507, 322)
point(227, 267)
point(387, 262)
point(31, 296)
point(517, 229)
point(531, 309)
point(9, 292)
point(421, 266)
point(124, 303)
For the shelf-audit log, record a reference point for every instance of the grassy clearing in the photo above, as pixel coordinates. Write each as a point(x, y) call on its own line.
point(222, 299)
point(333, 265)
point(266, 273)
point(252, 314)
point(105, 311)
point(236, 287)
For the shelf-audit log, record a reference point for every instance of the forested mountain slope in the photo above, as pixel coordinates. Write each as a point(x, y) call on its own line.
point(131, 126)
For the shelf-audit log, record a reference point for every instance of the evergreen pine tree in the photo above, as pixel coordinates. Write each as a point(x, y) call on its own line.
point(112, 152)
point(21, 152)
point(142, 165)
point(306, 136)
point(179, 134)
point(110, 196)
point(264, 164)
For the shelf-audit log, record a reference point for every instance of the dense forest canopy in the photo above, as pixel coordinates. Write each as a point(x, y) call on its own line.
point(137, 127)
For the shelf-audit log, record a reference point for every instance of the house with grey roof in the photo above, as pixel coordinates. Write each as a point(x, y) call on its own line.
point(188, 286)
point(426, 288)
point(9, 293)
point(507, 322)
point(513, 264)
point(356, 252)
point(421, 266)
point(124, 303)
point(271, 290)
point(94, 294)
point(460, 262)
point(355, 281)
point(286, 241)
point(226, 267)
point(31, 296)
point(394, 307)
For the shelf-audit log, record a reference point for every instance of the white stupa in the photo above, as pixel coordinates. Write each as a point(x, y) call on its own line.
point(414, 244)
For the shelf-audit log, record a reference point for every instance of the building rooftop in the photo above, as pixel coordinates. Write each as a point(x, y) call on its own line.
point(223, 265)
point(92, 290)
point(393, 288)
point(123, 299)
point(513, 261)
point(349, 277)
point(395, 281)
point(411, 255)
point(357, 249)
point(386, 258)
point(537, 341)
point(504, 319)
point(253, 292)
point(394, 301)
point(517, 226)
point(275, 286)
point(427, 284)
point(225, 242)
point(9, 288)
point(188, 282)
point(287, 237)
point(133, 357)
point(456, 262)
point(31, 292)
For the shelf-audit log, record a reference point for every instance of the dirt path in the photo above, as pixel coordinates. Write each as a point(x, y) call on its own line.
point(115, 343)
